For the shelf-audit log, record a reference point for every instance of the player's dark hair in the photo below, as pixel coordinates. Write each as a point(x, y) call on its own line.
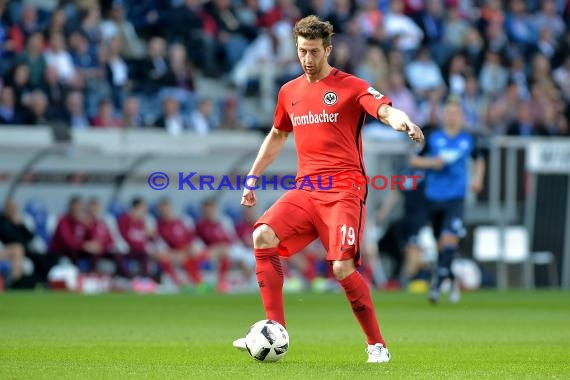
point(137, 201)
point(312, 28)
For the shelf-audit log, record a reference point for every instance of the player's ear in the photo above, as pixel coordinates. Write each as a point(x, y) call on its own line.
point(328, 51)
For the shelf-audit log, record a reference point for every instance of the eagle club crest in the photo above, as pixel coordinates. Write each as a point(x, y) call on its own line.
point(330, 98)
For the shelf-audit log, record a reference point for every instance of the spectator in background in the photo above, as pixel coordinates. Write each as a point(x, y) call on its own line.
point(231, 35)
point(524, 125)
point(266, 59)
point(55, 92)
point(400, 94)
point(117, 71)
point(14, 232)
point(75, 111)
point(34, 58)
point(520, 27)
point(171, 119)
point(203, 119)
point(148, 17)
point(57, 56)
point(131, 113)
point(561, 76)
point(155, 67)
point(71, 236)
point(222, 245)
point(340, 15)
point(85, 56)
point(90, 21)
point(180, 70)
point(433, 24)
point(116, 26)
point(188, 24)
point(99, 234)
point(37, 109)
point(29, 23)
point(423, 74)
point(18, 78)
point(374, 67)
point(57, 24)
point(8, 114)
point(8, 46)
point(139, 239)
point(548, 18)
point(105, 117)
point(457, 70)
point(473, 46)
point(231, 120)
point(14, 254)
point(475, 107)
point(184, 248)
point(493, 77)
point(503, 111)
point(408, 34)
point(455, 30)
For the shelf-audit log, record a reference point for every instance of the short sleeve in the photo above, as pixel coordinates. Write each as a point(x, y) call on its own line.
point(281, 119)
point(370, 99)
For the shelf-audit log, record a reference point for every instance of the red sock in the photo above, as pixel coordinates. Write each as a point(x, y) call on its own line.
point(309, 271)
point(223, 267)
point(358, 293)
point(192, 267)
point(270, 280)
point(168, 268)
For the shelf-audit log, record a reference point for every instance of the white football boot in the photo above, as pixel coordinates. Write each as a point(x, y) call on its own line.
point(377, 353)
point(240, 344)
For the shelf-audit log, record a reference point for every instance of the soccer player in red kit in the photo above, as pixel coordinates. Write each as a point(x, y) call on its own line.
point(325, 108)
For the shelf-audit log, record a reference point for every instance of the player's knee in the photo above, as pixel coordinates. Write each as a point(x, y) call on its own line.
point(342, 269)
point(264, 237)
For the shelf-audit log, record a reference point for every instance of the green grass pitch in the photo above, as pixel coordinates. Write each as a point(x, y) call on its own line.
point(488, 335)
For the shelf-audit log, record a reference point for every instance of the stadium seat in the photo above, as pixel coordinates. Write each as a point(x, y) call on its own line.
point(192, 211)
point(36, 214)
point(233, 211)
point(116, 208)
point(487, 247)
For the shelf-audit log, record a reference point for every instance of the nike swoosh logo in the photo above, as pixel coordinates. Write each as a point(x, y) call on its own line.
point(295, 103)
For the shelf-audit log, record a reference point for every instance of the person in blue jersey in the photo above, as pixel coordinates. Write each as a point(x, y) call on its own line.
point(445, 157)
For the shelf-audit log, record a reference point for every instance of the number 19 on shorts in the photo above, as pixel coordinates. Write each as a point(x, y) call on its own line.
point(348, 238)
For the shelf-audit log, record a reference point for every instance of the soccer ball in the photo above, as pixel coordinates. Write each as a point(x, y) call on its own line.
point(267, 341)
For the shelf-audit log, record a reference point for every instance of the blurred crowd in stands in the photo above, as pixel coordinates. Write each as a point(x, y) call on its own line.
point(203, 249)
point(139, 63)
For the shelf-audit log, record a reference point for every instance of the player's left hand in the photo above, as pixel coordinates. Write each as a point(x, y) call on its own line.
point(415, 133)
point(402, 123)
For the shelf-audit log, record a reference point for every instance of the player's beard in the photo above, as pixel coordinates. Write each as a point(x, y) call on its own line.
point(314, 69)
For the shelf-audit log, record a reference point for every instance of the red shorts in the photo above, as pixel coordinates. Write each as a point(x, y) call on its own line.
point(299, 217)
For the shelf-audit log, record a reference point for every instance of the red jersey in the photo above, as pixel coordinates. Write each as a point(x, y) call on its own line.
point(134, 233)
point(99, 232)
point(212, 232)
point(69, 235)
point(175, 233)
point(327, 118)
